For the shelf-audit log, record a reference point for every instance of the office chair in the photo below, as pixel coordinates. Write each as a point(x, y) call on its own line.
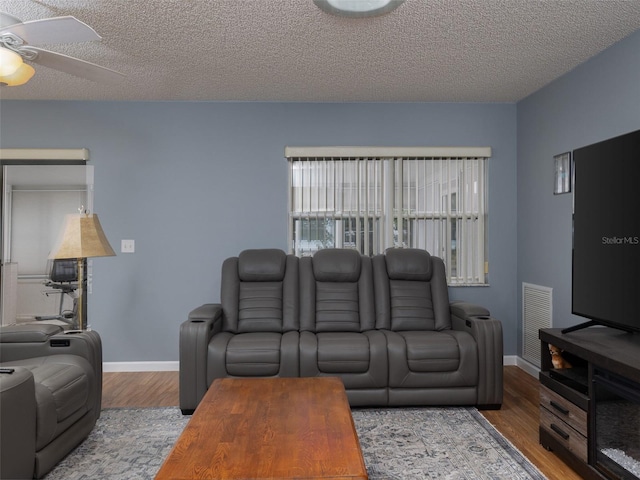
point(63, 277)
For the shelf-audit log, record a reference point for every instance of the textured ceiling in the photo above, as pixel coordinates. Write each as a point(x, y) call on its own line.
point(291, 51)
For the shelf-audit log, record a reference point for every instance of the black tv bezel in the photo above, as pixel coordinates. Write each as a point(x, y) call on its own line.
point(594, 320)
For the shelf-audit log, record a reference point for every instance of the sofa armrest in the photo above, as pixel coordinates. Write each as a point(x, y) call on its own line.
point(487, 332)
point(28, 333)
point(18, 424)
point(195, 334)
point(41, 340)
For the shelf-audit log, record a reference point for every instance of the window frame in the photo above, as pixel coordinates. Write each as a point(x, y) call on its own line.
point(395, 161)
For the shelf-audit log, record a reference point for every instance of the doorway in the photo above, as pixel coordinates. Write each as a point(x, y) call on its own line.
point(35, 200)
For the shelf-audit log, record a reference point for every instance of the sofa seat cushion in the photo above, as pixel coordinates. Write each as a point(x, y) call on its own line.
point(419, 359)
point(254, 354)
point(359, 359)
point(431, 351)
point(63, 386)
point(343, 352)
point(265, 354)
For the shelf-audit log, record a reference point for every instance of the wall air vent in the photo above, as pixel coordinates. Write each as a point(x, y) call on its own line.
point(537, 313)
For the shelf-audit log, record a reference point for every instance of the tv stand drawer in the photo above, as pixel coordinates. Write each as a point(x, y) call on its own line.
point(564, 410)
point(566, 435)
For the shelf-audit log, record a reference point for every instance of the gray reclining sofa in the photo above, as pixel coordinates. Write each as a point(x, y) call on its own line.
point(384, 325)
point(50, 395)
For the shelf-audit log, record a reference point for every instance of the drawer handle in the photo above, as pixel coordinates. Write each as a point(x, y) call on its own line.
point(559, 431)
point(559, 407)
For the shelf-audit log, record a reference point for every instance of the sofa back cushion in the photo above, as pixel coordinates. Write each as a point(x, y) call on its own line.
point(336, 291)
point(411, 291)
point(259, 292)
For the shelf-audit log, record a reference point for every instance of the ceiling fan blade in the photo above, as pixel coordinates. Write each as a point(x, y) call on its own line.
point(75, 66)
point(53, 30)
point(6, 20)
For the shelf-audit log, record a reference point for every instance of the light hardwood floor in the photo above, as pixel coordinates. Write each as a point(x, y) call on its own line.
point(517, 420)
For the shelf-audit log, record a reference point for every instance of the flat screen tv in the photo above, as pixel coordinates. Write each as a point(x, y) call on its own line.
point(606, 233)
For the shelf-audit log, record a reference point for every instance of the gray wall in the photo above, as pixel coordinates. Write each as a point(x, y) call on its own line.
point(194, 183)
point(598, 100)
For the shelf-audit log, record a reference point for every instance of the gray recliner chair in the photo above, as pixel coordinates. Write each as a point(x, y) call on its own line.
point(252, 332)
point(50, 395)
point(439, 353)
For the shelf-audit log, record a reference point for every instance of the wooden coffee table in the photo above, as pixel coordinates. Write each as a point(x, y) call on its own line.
point(269, 428)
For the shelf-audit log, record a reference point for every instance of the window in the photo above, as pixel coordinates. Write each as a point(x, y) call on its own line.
point(371, 199)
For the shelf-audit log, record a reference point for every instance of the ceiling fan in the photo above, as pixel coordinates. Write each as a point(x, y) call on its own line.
point(18, 40)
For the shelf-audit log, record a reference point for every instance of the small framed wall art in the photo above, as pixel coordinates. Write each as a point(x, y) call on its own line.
point(562, 175)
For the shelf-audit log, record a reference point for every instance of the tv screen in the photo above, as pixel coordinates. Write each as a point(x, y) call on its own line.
point(606, 232)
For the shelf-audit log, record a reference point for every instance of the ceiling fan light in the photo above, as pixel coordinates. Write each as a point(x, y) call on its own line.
point(19, 77)
point(358, 5)
point(358, 8)
point(10, 61)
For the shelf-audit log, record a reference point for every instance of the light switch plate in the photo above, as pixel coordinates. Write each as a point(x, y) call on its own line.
point(127, 246)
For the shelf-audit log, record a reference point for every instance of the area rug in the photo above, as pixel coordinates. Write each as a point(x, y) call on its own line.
point(399, 443)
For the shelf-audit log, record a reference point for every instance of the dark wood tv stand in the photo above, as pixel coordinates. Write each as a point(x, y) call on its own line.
point(566, 409)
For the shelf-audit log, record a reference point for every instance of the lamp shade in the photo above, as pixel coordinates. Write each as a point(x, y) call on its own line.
point(82, 237)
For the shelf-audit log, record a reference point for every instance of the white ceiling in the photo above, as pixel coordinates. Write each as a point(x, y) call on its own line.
point(291, 51)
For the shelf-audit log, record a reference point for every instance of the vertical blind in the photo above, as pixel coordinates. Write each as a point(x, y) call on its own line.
point(373, 202)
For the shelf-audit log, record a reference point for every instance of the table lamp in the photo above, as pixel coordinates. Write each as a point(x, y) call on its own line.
point(82, 237)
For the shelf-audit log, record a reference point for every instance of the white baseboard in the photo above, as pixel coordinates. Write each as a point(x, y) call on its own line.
point(175, 366)
point(530, 368)
point(140, 366)
point(514, 360)
point(510, 360)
